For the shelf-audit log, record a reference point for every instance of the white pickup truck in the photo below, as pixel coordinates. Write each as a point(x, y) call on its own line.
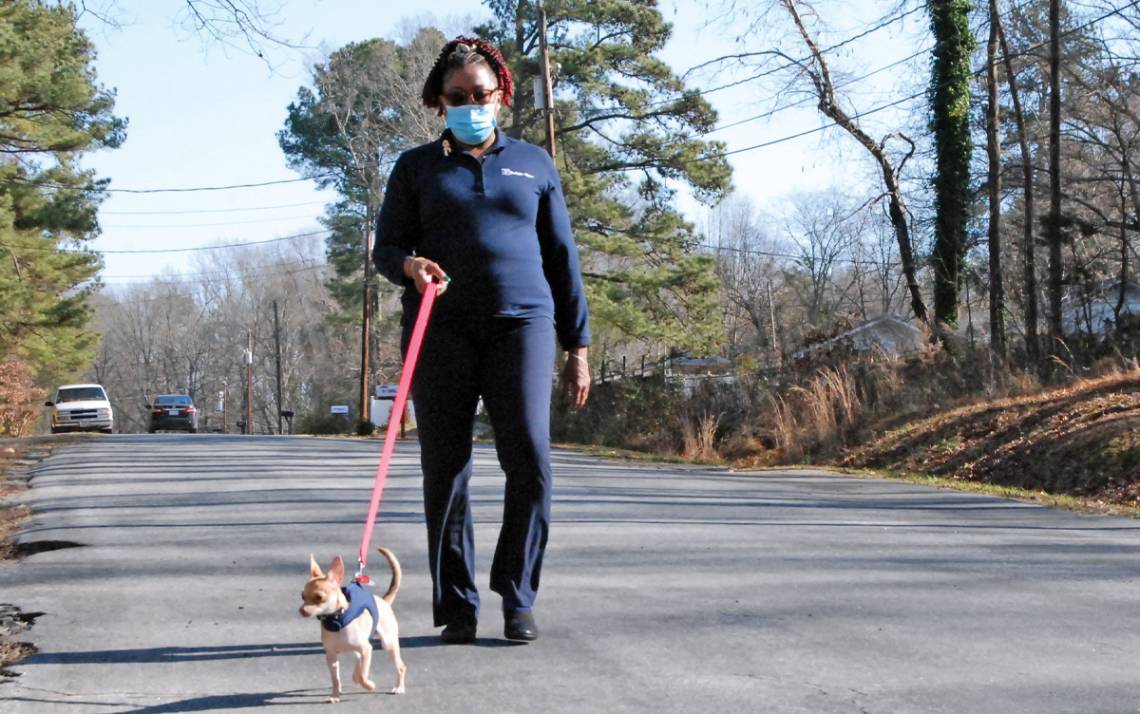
point(81, 407)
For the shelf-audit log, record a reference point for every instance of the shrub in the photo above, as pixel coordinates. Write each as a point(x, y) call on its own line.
point(813, 410)
point(325, 423)
point(20, 399)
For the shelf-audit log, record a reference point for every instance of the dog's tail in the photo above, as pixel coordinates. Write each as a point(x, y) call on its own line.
point(397, 574)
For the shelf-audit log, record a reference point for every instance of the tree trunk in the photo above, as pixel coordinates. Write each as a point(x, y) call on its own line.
point(993, 151)
point(1119, 307)
point(1032, 344)
point(950, 106)
point(1054, 227)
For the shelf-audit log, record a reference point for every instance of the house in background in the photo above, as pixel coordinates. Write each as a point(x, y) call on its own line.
point(1095, 313)
point(887, 334)
point(698, 366)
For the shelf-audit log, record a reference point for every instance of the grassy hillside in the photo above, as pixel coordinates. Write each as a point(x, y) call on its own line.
point(1081, 440)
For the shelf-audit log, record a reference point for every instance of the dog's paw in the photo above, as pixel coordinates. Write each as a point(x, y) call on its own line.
point(333, 700)
point(397, 690)
point(370, 686)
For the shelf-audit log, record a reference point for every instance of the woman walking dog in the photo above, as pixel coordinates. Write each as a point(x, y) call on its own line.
point(489, 210)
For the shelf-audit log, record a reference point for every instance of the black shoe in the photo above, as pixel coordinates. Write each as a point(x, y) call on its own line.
point(458, 633)
point(520, 626)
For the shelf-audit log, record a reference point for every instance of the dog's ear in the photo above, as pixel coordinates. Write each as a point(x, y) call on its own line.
point(336, 570)
point(314, 569)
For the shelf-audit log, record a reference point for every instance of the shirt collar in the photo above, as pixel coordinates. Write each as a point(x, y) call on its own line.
point(448, 143)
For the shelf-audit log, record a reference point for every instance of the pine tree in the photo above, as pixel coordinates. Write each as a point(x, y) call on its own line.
point(51, 110)
point(629, 136)
point(345, 132)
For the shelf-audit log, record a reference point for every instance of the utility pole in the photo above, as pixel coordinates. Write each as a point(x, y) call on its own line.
point(249, 382)
point(225, 407)
point(547, 85)
point(772, 322)
point(277, 344)
point(366, 317)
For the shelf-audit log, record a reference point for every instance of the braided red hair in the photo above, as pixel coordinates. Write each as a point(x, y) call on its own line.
point(433, 86)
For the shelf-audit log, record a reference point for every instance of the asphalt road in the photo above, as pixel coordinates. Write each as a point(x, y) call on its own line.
point(168, 570)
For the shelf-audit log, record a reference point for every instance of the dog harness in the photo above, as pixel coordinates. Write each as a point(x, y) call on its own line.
point(359, 600)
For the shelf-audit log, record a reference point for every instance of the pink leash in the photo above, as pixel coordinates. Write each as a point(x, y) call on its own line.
point(394, 420)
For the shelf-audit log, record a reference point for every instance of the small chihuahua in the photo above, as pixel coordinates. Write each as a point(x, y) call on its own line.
point(349, 615)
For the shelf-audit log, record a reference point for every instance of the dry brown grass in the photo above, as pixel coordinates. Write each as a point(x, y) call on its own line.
point(1081, 439)
point(13, 652)
point(11, 517)
point(962, 419)
point(12, 513)
point(20, 399)
point(698, 433)
point(815, 417)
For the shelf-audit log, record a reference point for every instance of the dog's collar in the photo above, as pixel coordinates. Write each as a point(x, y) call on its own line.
point(359, 601)
point(332, 622)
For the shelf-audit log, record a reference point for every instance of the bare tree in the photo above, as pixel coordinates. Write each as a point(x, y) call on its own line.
point(250, 26)
point(823, 228)
point(874, 269)
point(1032, 343)
point(818, 72)
point(747, 266)
point(993, 181)
point(186, 333)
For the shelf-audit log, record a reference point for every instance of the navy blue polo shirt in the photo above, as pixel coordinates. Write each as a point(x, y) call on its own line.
point(498, 226)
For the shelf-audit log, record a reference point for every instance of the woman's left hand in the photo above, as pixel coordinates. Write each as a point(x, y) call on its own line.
point(575, 381)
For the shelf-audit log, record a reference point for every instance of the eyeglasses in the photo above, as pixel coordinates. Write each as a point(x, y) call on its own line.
point(458, 98)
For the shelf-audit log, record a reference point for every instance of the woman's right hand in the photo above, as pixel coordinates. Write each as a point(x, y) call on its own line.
point(423, 271)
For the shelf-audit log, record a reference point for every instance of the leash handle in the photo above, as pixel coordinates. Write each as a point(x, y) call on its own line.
point(396, 416)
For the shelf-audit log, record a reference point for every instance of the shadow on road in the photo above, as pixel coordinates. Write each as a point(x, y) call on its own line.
point(170, 655)
point(175, 654)
point(216, 702)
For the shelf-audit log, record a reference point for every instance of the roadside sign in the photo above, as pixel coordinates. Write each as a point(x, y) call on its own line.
point(338, 409)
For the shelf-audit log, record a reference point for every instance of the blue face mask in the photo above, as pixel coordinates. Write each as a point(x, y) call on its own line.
point(471, 123)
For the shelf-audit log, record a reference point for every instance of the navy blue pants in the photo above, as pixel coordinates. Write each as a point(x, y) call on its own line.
point(509, 362)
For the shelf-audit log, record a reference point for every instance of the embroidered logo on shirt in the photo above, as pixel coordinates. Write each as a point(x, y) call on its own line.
point(512, 172)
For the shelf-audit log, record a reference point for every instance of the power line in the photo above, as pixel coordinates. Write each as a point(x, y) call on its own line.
point(197, 189)
point(210, 247)
point(188, 189)
point(849, 82)
point(208, 225)
point(205, 276)
point(211, 210)
point(768, 72)
point(810, 99)
point(43, 249)
point(817, 129)
point(601, 111)
point(977, 72)
point(840, 85)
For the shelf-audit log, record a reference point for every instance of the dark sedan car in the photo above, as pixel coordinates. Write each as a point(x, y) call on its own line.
point(173, 411)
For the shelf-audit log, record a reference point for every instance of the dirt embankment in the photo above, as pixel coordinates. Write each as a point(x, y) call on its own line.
point(1081, 440)
point(16, 456)
point(12, 513)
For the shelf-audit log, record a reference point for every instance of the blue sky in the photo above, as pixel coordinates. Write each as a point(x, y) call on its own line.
point(202, 115)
